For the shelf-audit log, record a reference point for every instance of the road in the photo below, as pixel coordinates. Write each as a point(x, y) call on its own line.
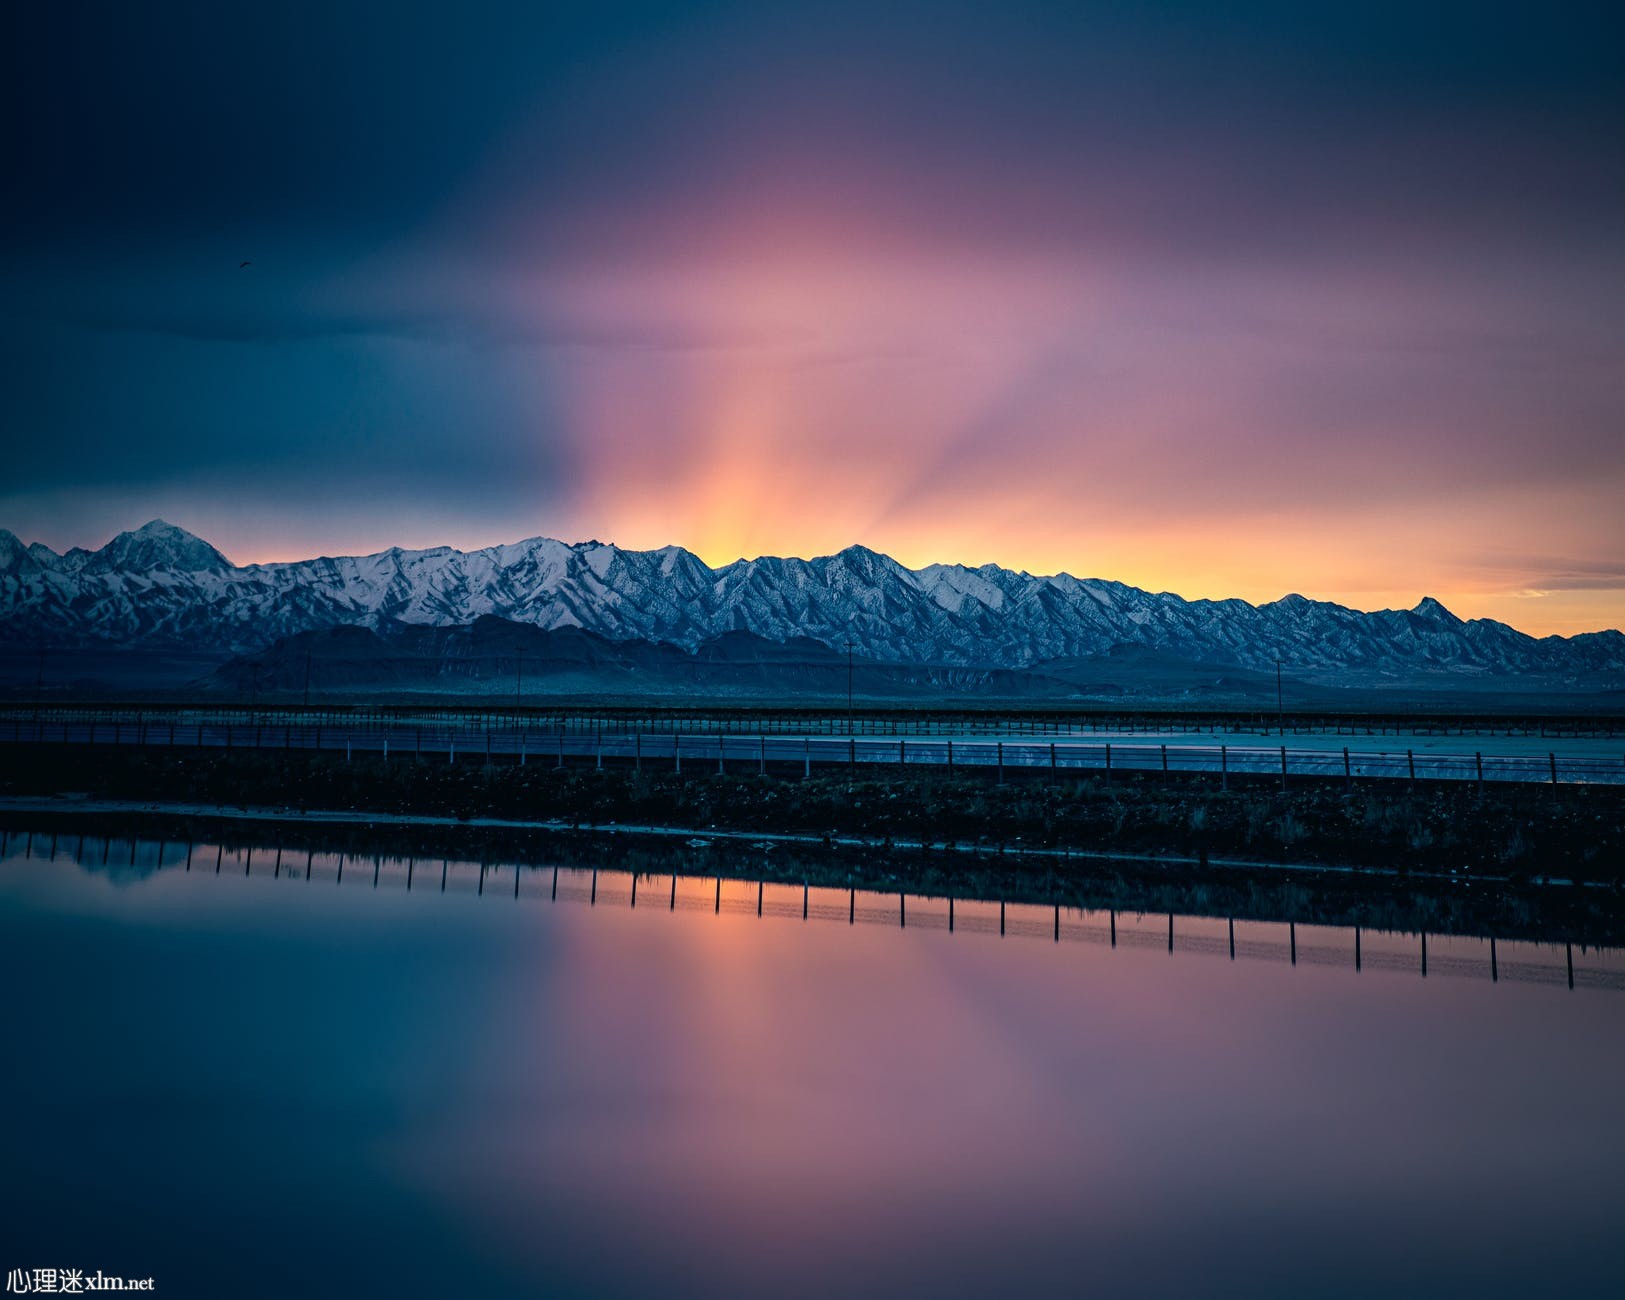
point(1421, 758)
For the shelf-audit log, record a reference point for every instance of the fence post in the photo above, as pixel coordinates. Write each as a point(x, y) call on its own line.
point(1283, 769)
point(1224, 768)
point(950, 756)
point(1108, 760)
point(1348, 771)
point(1410, 759)
point(1478, 761)
point(1052, 764)
point(1553, 760)
point(1001, 762)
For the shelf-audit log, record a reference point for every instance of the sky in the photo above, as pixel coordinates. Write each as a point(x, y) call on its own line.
point(1226, 299)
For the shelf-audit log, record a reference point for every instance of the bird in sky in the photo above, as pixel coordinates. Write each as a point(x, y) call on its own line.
point(241, 265)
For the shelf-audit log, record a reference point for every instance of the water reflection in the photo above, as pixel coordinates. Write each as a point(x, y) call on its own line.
point(345, 1073)
point(1419, 952)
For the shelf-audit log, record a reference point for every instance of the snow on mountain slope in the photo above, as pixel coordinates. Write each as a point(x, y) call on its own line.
point(160, 586)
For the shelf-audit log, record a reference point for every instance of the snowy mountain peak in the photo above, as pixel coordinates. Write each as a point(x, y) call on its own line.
point(1428, 607)
point(13, 554)
point(158, 545)
point(189, 596)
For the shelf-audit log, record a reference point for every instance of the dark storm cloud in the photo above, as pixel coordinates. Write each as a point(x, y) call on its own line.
point(353, 121)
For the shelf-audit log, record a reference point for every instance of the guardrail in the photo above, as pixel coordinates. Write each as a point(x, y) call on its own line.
point(867, 719)
point(764, 753)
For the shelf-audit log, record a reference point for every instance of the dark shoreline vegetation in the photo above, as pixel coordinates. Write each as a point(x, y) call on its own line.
point(1440, 858)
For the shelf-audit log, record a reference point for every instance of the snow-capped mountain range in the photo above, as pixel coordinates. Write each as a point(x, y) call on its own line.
point(160, 587)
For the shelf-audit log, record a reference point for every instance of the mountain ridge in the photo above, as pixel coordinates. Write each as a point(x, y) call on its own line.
point(161, 586)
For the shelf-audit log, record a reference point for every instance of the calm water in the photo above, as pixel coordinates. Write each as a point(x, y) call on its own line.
point(257, 1084)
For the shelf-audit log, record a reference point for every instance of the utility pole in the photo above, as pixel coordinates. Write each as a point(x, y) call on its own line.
point(851, 725)
point(1280, 707)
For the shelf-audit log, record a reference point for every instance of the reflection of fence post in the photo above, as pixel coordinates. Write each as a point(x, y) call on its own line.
point(1108, 760)
point(677, 752)
point(1001, 762)
point(1410, 760)
point(950, 756)
point(1553, 760)
point(1348, 770)
point(1478, 762)
point(806, 758)
point(1283, 769)
point(1224, 768)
